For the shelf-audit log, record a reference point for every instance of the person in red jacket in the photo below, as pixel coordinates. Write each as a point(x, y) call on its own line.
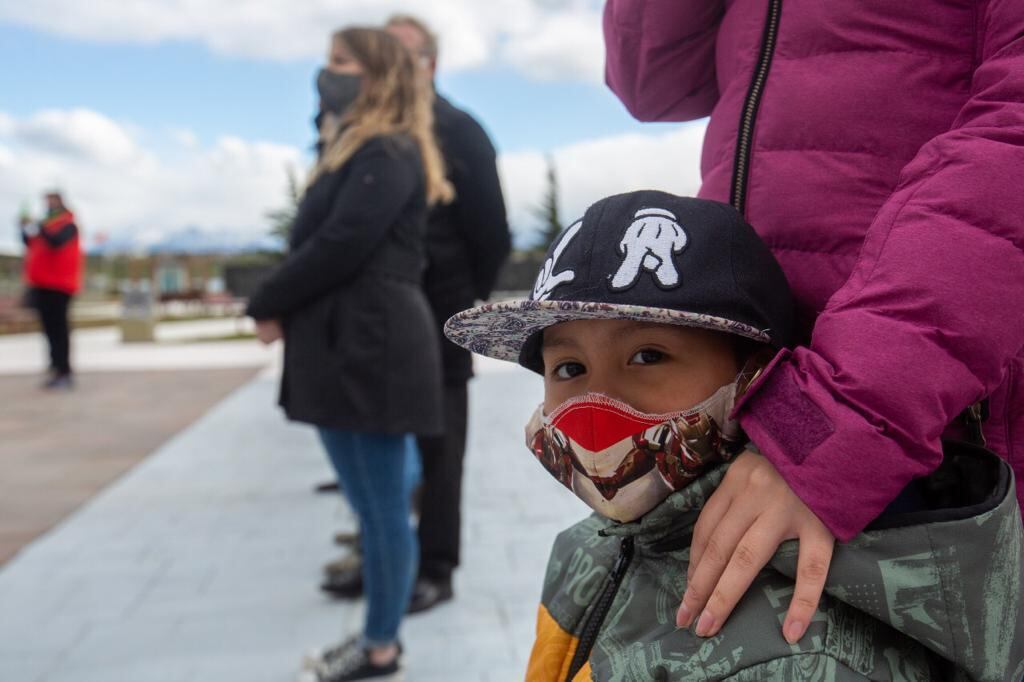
point(53, 272)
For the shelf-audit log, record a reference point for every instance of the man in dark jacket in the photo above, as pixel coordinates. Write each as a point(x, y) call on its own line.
point(468, 241)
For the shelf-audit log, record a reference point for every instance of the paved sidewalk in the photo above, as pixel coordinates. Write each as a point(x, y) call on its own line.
point(201, 564)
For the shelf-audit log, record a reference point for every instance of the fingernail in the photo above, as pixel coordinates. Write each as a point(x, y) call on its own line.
point(705, 624)
point(683, 617)
point(794, 631)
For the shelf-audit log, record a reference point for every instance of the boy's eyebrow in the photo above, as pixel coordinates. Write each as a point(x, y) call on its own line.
point(552, 341)
point(548, 342)
point(645, 326)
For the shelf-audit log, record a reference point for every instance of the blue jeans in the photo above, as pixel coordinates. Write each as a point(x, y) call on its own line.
point(374, 473)
point(413, 465)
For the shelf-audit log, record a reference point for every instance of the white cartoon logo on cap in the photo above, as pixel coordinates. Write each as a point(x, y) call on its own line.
point(649, 244)
point(547, 280)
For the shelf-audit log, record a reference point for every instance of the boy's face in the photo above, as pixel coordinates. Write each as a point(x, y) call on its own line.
point(655, 368)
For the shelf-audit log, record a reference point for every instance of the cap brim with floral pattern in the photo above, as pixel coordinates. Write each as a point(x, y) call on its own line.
point(647, 256)
point(505, 329)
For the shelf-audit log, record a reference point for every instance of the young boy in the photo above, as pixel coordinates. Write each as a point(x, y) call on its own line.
point(649, 319)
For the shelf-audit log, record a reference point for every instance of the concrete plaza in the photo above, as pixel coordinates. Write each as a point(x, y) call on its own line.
point(202, 562)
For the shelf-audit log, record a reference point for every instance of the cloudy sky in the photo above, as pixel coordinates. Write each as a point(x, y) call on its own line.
point(156, 115)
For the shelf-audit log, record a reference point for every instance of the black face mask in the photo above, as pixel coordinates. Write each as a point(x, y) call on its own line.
point(337, 90)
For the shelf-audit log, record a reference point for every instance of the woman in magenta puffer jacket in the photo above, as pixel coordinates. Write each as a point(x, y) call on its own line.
point(878, 148)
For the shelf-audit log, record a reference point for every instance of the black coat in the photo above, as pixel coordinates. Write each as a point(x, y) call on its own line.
point(361, 352)
point(467, 240)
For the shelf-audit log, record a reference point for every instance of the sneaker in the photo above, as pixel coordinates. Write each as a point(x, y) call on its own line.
point(350, 562)
point(59, 382)
point(348, 539)
point(427, 594)
point(347, 584)
point(317, 658)
point(350, 662)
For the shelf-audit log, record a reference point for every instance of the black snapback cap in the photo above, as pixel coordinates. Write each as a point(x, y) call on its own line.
point(648, 256)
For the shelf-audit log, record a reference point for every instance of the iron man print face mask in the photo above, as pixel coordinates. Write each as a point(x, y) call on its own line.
point(621, 462)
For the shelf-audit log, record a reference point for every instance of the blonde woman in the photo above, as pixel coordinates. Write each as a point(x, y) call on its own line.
point(362, 362)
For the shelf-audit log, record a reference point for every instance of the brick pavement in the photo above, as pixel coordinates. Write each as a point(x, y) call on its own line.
point(59, 449)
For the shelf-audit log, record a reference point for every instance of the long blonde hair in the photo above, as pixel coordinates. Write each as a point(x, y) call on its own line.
point(395, 98)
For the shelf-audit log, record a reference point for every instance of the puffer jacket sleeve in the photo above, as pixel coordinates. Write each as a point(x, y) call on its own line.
point(660, 56)
point(929, 319)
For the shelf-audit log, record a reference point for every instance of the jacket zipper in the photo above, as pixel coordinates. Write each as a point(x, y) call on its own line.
point(604, 603)
point(741, 169)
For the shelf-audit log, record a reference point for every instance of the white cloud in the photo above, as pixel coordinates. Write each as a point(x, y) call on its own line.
point(184, 137)
point(544, 38)
point(590, 170)
point(564, 45)
point(79, 133)
point(121, 187)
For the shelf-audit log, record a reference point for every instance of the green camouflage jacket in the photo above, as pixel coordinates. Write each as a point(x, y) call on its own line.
point(930, 595)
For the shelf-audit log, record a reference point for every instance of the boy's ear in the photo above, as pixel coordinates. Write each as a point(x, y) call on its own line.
point(539, 367)
point(744, 349)
point(530, 355)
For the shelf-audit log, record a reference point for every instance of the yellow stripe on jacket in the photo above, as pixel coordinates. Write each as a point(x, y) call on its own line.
point(552, 652)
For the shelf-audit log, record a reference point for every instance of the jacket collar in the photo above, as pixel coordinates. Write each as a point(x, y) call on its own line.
point(674, 518)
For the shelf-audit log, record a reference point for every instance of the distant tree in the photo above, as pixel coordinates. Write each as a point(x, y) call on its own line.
point(282, 219)
point(547, 212)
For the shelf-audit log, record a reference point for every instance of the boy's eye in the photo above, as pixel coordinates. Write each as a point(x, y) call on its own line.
point(569, 370)
point(646, 357)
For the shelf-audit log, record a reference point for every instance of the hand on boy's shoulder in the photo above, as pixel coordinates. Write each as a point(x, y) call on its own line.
point(753, 511)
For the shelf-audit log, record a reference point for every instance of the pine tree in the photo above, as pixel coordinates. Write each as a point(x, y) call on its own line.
point(548, 212)
point(282, 219)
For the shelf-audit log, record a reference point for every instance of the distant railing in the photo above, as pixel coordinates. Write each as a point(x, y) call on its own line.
point(15, 317)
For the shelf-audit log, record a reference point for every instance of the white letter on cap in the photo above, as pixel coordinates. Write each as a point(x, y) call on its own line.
point(546, 280)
